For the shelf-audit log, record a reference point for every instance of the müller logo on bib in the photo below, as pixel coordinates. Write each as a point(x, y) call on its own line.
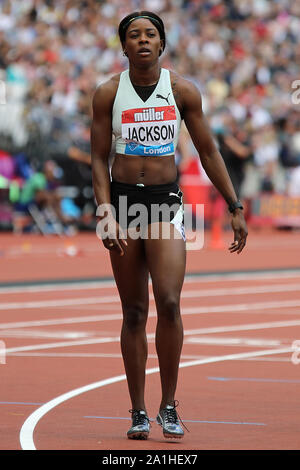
point(149, 131)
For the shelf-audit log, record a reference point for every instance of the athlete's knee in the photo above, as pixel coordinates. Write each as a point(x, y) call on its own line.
point(168, 308)
point(135, 316)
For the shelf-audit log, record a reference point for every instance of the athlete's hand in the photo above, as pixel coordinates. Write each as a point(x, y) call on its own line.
point(111, 234)
point(240, 231)
point(115, 239)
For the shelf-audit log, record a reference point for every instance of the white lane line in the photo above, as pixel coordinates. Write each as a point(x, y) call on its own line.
point(26, 333)
point(58, 287)
point(150, 356)
point(241, 290)
point(99, 318)
point(62, 321)
point(185, 294)
point(199, 278)
point(191, 332)
point(228, 341)
point(27, 429)
point(270, 359)
point(151, 336)
point(97, 355)
point(244, 327)
point(110, 299)
point(62, 344)
point(248, 307)
point(222, 341)
point(59, 302)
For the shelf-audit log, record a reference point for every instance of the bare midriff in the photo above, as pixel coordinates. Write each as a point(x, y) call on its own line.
point(133, 169)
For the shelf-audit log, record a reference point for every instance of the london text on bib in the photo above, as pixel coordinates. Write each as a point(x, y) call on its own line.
point(149, 131)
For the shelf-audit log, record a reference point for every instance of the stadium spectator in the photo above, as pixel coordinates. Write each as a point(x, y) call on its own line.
point(41, 189)
point(242, 54)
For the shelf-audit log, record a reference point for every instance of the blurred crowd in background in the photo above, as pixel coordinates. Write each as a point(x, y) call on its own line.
point(243, 55)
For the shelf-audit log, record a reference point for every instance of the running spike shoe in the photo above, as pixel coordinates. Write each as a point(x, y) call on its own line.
point(167, 418)
point(140, 425)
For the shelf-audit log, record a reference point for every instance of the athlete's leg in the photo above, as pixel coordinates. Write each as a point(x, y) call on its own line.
point(131, 275)
point(166, 260)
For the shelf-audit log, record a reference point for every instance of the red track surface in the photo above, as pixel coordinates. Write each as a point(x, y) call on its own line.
point(246, 401)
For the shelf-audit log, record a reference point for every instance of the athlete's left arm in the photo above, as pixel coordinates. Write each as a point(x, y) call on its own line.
point(210, 157)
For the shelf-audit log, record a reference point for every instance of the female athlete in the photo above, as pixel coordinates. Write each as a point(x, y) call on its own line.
point(143, 108)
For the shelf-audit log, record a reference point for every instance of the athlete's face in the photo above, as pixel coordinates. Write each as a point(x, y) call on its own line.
point(142, 42)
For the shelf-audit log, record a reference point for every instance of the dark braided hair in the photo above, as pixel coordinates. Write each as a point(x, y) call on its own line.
point(155, 20)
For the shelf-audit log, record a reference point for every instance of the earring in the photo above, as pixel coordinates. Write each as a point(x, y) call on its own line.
point(125, 53)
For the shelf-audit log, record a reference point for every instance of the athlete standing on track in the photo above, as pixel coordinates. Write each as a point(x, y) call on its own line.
point(143, 107)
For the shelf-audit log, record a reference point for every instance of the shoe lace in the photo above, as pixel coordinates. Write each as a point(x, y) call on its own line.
point(138, 417)
point(171, 415)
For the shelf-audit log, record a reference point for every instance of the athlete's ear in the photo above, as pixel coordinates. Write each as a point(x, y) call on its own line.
point(125, 53)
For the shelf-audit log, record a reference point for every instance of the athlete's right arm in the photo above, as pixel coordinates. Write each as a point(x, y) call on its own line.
point(101, 139)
